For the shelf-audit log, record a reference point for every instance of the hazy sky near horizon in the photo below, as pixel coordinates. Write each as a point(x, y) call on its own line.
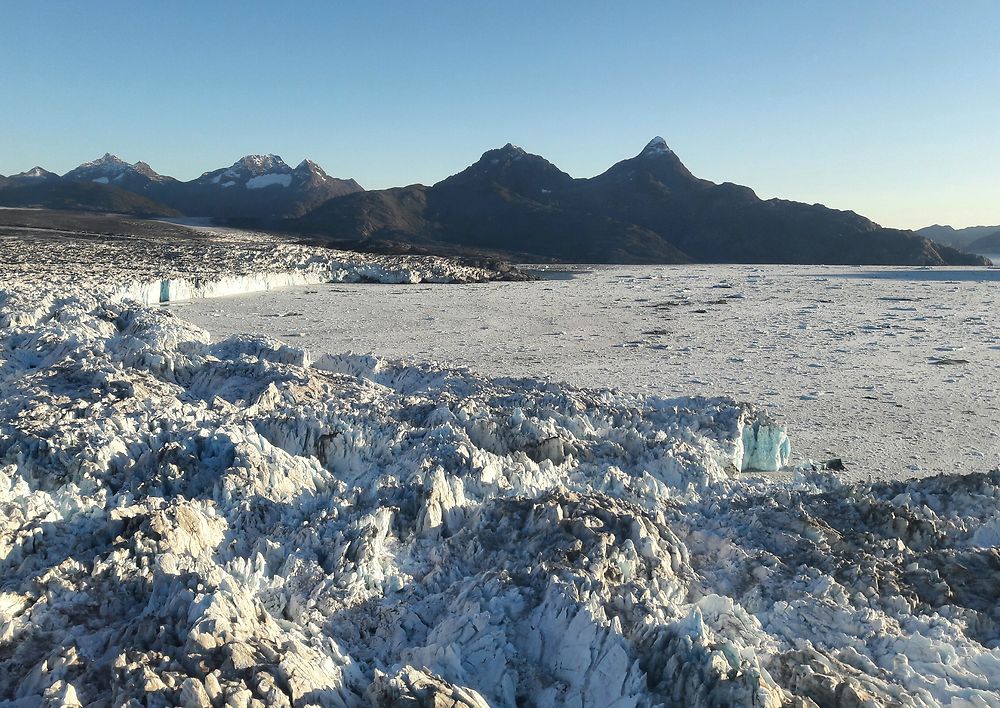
point(889, 108)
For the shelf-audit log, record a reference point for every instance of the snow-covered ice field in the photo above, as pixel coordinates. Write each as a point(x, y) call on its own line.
point(894, 370)
point(189, 520)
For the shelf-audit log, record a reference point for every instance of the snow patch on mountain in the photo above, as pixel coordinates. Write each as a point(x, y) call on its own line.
point(269, 180)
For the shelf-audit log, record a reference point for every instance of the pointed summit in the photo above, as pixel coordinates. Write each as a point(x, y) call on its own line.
point(145, 170)
point(512, 149)
point(506, 154)
point(261, 164)
point(310, 167)
point(34, 173)
point(657, 164)
point(111, 169)
point(513, 168)
point(102, 170)
point(657, 146)
point(107, 159)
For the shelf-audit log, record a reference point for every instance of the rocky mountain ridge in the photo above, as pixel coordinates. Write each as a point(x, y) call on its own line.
point(646, 209)
point(254, 186)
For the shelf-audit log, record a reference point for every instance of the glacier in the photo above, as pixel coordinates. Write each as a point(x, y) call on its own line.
point(268, 180)
point(243, 523)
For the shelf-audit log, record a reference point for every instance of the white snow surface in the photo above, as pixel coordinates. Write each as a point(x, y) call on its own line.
point(852, 360)
point(195, 523)
point(269, 180)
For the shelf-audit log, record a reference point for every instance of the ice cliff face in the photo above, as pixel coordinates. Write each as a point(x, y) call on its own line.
point(183, 522)
point(39, 267)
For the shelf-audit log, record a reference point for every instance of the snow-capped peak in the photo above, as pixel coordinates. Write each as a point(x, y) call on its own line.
point(111, 168)
point(35, 173)
point(657, 146)
point(261, 164)
point(108, 159)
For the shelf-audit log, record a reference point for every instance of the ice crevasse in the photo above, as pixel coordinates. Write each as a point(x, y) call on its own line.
point(190, 522)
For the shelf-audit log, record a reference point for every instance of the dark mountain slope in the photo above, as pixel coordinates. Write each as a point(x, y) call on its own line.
point(86, 196)
point(111, 170)
point(646, 209)
point(35, 175)
point(989, 243)
point(260, 186)
point(957, 238)
point(257, 186)
point(505, 202)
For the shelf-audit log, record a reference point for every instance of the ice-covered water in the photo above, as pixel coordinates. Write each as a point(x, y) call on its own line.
point(896, 371)
point(234, 522)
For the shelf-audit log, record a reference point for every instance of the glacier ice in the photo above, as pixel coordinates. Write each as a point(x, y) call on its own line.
point(233, 523)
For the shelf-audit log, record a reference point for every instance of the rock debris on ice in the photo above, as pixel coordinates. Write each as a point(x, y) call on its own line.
point(231, 523)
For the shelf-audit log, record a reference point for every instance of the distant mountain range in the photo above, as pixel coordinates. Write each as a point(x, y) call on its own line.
point(986, 245)
point(973, 239)
point(258, 186)
point(646, 209)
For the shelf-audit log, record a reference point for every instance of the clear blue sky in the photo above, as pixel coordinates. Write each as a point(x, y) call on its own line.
point(890, 108)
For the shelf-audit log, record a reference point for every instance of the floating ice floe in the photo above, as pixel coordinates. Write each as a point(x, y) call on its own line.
point(198, 523)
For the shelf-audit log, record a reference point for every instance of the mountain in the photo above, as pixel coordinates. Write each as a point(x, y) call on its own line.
point(87, 196)
point(35, 175)
point(986, 245)
point(646, 209)
point(511, 168)
point(504, 203)
point(106, 184)
point(139, 178)
point(258, 186)
point(959, 238)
